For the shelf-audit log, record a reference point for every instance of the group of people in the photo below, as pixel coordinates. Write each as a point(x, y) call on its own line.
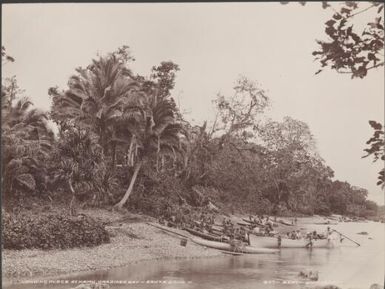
point(261, 220)
point(294, 235)
point(260, 225)
point(187, 219)
point(203, 221)
point(233, 232)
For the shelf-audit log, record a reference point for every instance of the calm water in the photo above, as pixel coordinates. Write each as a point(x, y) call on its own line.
point(348, 267)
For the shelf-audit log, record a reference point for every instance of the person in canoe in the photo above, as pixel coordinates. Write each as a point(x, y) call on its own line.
point(243, 234)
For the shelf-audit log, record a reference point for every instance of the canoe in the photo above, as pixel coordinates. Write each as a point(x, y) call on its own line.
point(232, 253)
point(285, 223)
point(243, 224)
point(204, 235)
point(227, 247)
point(325, 223)
point(272, 242)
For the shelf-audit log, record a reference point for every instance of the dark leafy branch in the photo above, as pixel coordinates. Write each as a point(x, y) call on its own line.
point(350, 50)
point(376, 147)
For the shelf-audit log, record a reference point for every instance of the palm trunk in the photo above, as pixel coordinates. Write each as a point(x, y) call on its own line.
point(130, 152)
point(73, 199)
point(131, 186)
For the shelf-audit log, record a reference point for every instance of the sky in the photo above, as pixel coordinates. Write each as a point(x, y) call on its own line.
point(213, 44)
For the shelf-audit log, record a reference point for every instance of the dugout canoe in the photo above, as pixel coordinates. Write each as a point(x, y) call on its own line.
point(227, 247)
point(273, 242)
point(285, 223)
point(232, 253)
point(205, 236)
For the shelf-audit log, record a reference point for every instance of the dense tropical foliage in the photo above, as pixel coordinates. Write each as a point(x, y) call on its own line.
point(123, 143)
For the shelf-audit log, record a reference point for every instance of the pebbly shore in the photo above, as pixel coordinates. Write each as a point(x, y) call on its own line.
point(130, 243)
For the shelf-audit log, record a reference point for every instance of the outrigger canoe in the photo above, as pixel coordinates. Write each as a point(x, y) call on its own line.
point(273, 242)
point(227, 247)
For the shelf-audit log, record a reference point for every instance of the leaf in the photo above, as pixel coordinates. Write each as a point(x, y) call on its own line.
point(337, 16)
point(380, 9)
point(371, 56)
point(318, 71)
point(349, 30)
point(325, 4)
point(345, 11)
point(330, 22)
point(314, 53)
point(352, 4)
point(375, 125)
point(355, 37)
point(27, 181)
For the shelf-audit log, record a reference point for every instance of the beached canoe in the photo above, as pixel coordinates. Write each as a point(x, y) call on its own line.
point(285, 223)
point(206, 236)
point(325, 223)
point(231, 253)
point(272, 242)
point(227, 247)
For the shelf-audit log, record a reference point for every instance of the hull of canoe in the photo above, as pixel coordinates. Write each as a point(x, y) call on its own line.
point(204, 235)
point(227, 247)
point(272, 242)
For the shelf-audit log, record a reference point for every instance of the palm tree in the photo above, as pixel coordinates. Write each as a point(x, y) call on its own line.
point(122, 110)
point(153, 133)
point(97, 96)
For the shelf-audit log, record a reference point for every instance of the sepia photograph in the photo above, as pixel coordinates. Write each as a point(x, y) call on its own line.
point(188, 145)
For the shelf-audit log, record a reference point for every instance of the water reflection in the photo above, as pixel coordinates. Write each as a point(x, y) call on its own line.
point(348, 266)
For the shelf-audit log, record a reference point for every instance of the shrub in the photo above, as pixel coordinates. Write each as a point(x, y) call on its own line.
point(50, 231)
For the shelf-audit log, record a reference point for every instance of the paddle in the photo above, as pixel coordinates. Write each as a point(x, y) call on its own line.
point(346, 237)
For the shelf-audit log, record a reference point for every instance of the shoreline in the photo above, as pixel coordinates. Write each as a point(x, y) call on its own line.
point(124, 249)
point(132, 241)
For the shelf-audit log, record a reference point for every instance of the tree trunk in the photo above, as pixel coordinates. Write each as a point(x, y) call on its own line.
point(130, 152)
point(113, 156)
point(73, 199)
point(131, 186)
